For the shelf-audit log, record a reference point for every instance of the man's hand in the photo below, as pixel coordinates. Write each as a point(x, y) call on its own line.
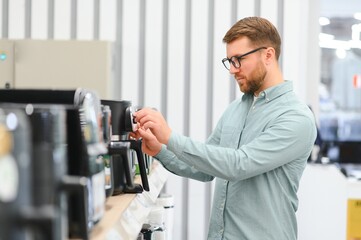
point(150, 144)
point(151, 119)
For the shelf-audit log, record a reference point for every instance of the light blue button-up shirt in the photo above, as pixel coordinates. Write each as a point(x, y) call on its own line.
point(257, 153)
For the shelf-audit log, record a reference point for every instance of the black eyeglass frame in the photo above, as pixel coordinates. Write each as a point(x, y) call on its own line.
point(230, 60)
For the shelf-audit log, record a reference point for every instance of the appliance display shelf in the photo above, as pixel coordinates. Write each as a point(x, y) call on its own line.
point(126, 213)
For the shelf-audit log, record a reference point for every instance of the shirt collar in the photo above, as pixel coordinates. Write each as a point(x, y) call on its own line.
point(273, 92)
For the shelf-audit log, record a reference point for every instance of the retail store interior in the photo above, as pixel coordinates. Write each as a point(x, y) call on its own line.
point(67, 61)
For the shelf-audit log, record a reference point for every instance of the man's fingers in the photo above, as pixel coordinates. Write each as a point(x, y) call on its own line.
point(134, 135)
point(144, 133)
point(148, 125)
point(142, 112)
point(144, 115)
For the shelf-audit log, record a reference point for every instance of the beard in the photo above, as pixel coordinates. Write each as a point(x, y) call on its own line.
point(254, 81)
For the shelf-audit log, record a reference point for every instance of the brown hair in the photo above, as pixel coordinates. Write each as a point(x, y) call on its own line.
point(260, 31)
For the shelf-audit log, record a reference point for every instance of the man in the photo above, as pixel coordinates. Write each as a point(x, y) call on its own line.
point(259, 148)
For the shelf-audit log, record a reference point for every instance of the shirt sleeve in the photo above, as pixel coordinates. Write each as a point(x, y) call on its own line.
point(289, 137)
point(170, 161)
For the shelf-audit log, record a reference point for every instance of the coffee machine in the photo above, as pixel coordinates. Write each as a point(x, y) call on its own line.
point(35, 178)
point(122, 124)
point(49, 166)
point(52, 184)
point(85, 145)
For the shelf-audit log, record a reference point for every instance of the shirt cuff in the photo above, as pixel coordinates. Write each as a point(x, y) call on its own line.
point(174, 149)
point(176, 143)
point(162, 153)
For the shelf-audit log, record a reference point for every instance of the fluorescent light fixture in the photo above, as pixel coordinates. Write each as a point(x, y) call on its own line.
point(339, 44)
point(335, 44)
point(325, 37)
point(323, 21)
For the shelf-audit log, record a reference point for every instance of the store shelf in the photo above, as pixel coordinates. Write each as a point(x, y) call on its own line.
point(126, 213)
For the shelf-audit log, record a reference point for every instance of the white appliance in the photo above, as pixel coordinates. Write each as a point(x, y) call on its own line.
point(59, 64)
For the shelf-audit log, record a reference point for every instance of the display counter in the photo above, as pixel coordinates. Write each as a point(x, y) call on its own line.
point(126, 213)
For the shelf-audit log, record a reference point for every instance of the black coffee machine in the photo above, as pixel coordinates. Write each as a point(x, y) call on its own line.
point(50, 167)
point(118, 160)
point(44, 215)
point(84, 147)
point(119, 149)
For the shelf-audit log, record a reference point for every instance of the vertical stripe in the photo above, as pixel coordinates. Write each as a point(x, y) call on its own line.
point(74, 10)
point(96, 19)
point(5, 19)
point(164, 70)
point(130, 51)
point(234, 8)
point(51, 11)
point(28, 18)
point(280, 23)
point(165, 43)
point(62, 19)
point(118, 45)
point(209, 111)
point(142, 36)
point(187, 66)
point(153, 54)
point(187, 90)
point(210, 68)
point(185, 203)
point(257, 7)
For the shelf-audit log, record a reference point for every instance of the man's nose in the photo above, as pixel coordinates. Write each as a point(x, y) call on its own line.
point(233, 69)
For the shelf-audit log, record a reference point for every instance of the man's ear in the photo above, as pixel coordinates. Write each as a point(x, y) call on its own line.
point(270, 55)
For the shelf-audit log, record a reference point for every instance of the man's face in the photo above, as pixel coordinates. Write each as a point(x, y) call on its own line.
point(251, 74)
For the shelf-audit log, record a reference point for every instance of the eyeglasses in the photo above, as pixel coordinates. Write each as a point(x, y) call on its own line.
point(236, 60)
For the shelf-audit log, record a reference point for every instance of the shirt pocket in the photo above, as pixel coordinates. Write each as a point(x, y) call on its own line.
point(230, 137)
